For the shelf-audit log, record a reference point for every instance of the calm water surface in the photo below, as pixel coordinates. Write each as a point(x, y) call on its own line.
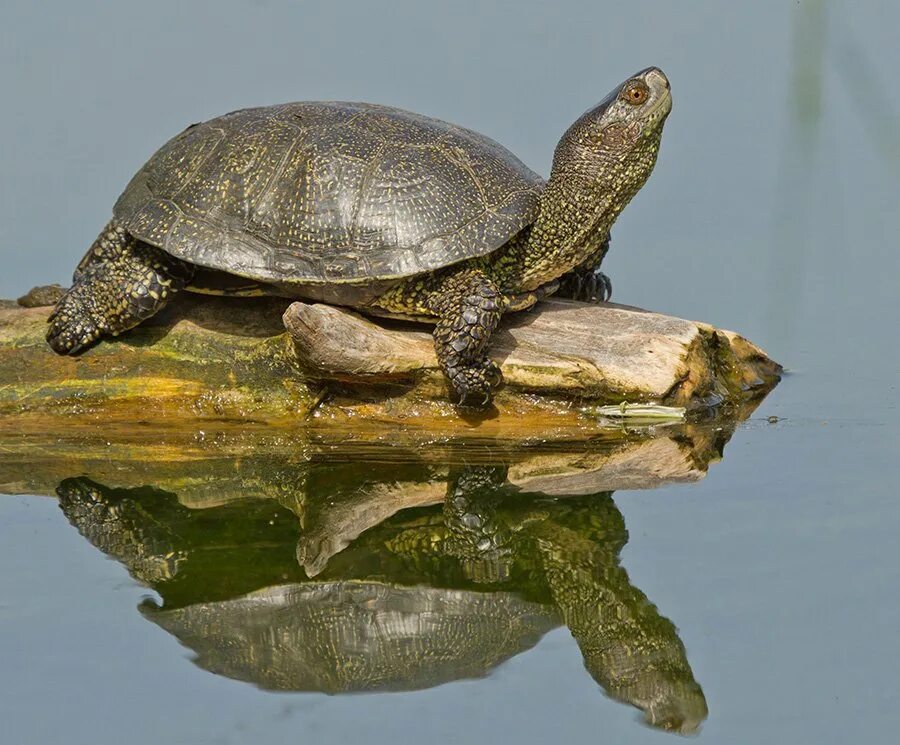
point(313, 594)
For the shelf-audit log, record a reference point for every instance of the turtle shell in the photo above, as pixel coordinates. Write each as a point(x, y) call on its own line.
point(324, 193)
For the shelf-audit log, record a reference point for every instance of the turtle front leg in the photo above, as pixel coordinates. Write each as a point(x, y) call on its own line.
point(468, 305)
point(586, 282)
point(118, 284)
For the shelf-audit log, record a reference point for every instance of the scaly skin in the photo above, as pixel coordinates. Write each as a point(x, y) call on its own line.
point(468, 309)
point(600, 164)
point(119, 283)
point(126, 529)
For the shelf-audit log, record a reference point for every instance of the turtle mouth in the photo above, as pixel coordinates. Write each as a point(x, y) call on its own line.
point(663, 103)
point(658, 111)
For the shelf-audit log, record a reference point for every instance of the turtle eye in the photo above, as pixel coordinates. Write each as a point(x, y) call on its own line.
point(635, 93)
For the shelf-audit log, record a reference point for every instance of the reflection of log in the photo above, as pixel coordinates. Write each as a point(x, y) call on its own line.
point(215, 359)
point(640, 464)
point(376, 482)
point(332, 527)
point(207, 473)
point(684, 456)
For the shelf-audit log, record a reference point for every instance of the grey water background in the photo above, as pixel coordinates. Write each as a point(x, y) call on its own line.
point(773, 211)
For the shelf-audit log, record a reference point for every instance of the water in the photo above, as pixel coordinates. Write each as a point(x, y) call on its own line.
point(770, 212)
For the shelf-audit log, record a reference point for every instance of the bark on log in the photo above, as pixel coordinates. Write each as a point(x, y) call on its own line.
point(229, 361)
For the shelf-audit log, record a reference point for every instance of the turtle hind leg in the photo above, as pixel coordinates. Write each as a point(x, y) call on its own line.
point(468, 305)
point(586, 282)
point(119, 283)
point(589, 285)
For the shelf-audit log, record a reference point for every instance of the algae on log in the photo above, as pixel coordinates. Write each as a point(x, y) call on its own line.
point(230, 360)
point(198, 359)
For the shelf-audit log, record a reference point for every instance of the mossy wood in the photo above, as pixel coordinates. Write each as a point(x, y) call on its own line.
point(230, 362)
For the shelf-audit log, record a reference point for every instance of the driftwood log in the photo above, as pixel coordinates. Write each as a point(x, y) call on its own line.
point(224, 362)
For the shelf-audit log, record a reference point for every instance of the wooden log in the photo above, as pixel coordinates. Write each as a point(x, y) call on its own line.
point(229, 362)
point(604, 354)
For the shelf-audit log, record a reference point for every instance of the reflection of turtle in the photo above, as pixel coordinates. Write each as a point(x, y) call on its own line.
point(356, 635)
point(430, 595)
point(371, 207)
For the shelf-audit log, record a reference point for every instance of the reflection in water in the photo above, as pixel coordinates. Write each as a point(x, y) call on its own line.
point(798, 171)
point(395, 580)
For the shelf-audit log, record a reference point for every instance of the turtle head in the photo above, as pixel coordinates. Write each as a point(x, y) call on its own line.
point(615, 143)
point(600, 163)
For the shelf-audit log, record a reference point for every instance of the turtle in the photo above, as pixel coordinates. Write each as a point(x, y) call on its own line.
point(375, 208)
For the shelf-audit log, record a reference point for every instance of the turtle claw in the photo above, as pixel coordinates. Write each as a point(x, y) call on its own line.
point(468, 400)
point(71, 329)
point(588, 286)
point(465, 402)
point(65, 344)
point(475, 385)
point(607, 287)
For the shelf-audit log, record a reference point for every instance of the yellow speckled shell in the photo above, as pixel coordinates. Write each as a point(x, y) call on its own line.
point(325, 193)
